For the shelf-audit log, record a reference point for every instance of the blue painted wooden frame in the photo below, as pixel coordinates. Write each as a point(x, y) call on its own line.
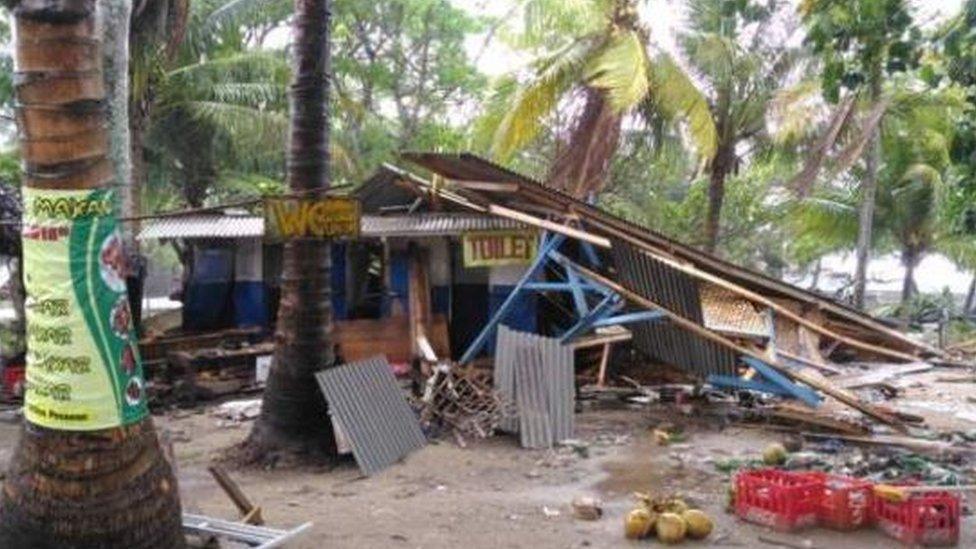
point(805, 394)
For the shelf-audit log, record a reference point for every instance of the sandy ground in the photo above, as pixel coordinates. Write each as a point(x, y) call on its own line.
point(495, 494)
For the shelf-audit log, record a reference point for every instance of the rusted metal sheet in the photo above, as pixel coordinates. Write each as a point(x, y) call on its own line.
point(679, 293)
point(368, 402)
point(537, 373)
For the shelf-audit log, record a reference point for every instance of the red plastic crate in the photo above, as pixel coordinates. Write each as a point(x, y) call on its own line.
point(781, 500)
point(846, 503)
point(927, 518)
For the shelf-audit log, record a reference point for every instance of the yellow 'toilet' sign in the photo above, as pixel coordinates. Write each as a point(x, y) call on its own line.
point(331, 217)
point(498, 248)
point(83, 367)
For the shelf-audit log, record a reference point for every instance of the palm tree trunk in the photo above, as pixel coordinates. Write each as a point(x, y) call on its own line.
point(79, 477)
point(294, 416)
point(721, 166)
point(583, 166)
point(869, 191)
point(910, 260)
point(970, 297)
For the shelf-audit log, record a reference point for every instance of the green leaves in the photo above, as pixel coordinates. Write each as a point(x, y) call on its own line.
point(678, 98)
point(621, 71)
point(554, 76)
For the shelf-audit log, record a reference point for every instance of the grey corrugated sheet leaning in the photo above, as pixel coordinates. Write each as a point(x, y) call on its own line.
point(365, 397)
point(537, 373)
point(678, 293)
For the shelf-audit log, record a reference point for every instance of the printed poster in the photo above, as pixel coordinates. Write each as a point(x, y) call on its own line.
point(83, 366)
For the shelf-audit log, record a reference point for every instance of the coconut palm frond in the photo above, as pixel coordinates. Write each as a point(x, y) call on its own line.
point(540, 96)
point(621, 71)
point(678, 98)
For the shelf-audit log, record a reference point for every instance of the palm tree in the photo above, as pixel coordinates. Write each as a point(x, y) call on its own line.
point(916, 140)
point(860, 41)
point(604, 67)
point(738, 50)
point(293, 414)
point(78, 478)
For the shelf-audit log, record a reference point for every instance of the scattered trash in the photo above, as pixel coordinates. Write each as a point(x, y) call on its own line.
point(587, 508)
point(550, 513)
point(239, 410)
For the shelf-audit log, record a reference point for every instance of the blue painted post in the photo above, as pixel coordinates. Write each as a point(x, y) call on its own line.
point(579, 300)
point(548, 245)
point(607, 306)
point(805, 394)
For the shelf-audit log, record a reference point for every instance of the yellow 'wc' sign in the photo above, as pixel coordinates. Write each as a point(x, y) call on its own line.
point(331, 217)
point(497, 248)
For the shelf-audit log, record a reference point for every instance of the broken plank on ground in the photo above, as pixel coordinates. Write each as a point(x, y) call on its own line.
point(880, 374)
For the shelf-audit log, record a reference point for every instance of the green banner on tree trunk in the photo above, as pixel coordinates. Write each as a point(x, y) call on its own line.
point(83, 367)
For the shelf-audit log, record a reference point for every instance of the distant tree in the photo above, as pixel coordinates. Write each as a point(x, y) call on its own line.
point(740, 51)
point(860, 42)
point(958, 54)
point(598, 62)
point(916, 141)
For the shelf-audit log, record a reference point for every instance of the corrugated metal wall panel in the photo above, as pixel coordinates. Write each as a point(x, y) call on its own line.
point(532, 399)
point(381, 427)
point(504, 374)
point(546, 357)
point(679, 293)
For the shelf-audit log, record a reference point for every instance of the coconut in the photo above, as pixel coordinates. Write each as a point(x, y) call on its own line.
point(774, 454)
point(676, 506)
point(671, 528)
point(638, 523)
point(699, 525)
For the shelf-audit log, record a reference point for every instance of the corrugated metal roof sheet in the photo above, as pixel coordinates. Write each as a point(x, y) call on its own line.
point(203, 226)
point(433, 224)
point(365, 397)
point(470, 167)
point(372, 226)
point(382, 191)
point(677, 292)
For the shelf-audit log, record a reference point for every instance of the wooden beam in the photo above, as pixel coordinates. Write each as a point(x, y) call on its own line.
point(489, 186)
point(601, 377)
point(819, 384)
point(564, 230)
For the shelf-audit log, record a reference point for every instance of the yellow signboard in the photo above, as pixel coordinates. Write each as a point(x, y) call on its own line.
point(498, 248)
point(330, 217)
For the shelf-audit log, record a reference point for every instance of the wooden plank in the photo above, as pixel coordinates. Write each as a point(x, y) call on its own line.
point(881, 375)
point(365, 338)
point(797, 414)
